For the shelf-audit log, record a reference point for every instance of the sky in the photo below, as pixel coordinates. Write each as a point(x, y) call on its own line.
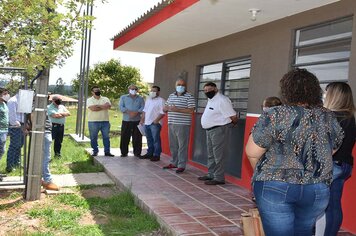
point(111, 18)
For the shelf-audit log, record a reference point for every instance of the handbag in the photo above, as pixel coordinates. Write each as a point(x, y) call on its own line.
point(251, 223)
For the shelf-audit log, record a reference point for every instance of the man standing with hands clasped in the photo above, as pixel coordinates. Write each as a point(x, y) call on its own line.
point(218, 114)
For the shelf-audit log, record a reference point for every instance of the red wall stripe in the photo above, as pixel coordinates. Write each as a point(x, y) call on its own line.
point(167, 12)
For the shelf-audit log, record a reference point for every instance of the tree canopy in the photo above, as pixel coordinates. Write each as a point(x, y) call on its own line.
point(113, 79)
point(40, 33)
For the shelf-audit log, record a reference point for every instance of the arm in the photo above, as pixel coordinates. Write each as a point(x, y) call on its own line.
point(159, 117)
point(12, 114)
point(253, 152)
point(234, 119)
point(181, 110)
point(142, 121)
point(122, 107)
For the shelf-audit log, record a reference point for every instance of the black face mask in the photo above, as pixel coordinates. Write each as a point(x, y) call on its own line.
point(58, 102)
point(97, 93)
point(210, 94)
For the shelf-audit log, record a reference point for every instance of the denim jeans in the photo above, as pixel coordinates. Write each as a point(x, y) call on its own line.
point(153, 139)
point(3, 137)
point(14, 151)
point(290, 209)
point(47, 141)
point(94, 128)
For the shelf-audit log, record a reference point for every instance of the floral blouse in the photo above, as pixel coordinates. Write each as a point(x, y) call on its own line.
point(299, 143)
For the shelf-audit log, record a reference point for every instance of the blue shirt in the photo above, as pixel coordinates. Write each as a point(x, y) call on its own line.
point(299, 143)
point(128, 103)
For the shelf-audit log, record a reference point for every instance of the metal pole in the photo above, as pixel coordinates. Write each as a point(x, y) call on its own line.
point(87, 73)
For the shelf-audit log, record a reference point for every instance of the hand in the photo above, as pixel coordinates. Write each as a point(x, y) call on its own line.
point(142, 122)
point(132, 113)
point(172, 108)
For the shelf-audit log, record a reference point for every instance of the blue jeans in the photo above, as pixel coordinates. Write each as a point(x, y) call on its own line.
point(94, 128)
point(3, 137)
point(47, 141)
point(290, 209)
point(153, 139)
point(14, 151)
point(333, 212)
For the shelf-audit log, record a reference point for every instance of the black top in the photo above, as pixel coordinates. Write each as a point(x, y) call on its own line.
point(348, 124)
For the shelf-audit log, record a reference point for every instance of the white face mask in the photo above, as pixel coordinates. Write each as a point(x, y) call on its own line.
point(152, 94)
point(6, 97)
point(132, 91)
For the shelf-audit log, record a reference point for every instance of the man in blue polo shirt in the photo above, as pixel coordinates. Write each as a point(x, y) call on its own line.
point(131, 105)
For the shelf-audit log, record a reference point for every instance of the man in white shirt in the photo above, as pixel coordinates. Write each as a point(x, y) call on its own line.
point(151, 118)
point(218, 114)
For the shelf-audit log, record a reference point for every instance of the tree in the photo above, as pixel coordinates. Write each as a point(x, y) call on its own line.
point(113, 79)
point(35, 34)
point(59, 86)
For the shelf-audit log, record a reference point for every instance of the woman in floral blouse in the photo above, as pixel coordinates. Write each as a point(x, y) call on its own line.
point(290, 149)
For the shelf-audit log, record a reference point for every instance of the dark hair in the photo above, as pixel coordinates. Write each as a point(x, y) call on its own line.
point(3, 90)
point(94, 87)
point(211, 84)
point(300, 87)
point(272, 101)
point(156, 87)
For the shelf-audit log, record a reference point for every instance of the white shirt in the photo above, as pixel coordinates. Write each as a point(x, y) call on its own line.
point(217, 112)
point(153, 108)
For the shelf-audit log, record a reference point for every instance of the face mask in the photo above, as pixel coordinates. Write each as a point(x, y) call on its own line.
point(210, 94)
point(152, 94)
point(180, 89)
point(58, 102)
point(97, 93)
point(6, 97)
point(132, 92)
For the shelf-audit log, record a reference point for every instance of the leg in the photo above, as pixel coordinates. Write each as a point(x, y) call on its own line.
point(14, 152)
point(156, 136)
point(46, 174)
point(211, 161)
point(3, 137)
point(136, 139)
point(173, 143)
point(183, 141)
point(218, 145)
point(125, 137)
point(105, 133)
point(150, 142)
point(93, 132)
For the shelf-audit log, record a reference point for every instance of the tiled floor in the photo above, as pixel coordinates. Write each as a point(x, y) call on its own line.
point(181, 203)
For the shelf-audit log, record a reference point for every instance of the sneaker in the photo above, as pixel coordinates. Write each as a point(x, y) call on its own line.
point(146, 156)
point(205, 177)
point(170, 166)
point(94, 154)
point(108, 154)
point(213, 182)
point(50, 186)
point(155, 158)
point(180, 170)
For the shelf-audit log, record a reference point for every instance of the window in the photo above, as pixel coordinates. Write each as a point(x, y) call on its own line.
point(324, 50)
point(232, 79)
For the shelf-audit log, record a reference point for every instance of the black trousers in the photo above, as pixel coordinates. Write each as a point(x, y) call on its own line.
point(129, 129)
point(57, 137)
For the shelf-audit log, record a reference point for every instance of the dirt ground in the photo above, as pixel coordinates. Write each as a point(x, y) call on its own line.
point(15, 221)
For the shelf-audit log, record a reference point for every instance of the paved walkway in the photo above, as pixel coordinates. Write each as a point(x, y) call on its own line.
point(181, 203)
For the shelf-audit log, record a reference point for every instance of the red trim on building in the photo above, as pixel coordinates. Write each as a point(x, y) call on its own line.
point(172, 9)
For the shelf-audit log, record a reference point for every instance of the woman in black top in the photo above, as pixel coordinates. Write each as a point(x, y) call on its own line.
point(339, 99)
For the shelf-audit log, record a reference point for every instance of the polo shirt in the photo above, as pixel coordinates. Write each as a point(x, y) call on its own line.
point(186, 100)
point(153, 108)
point(130, 103)
point(53, 109)
point(102, 115)
point(217, 112)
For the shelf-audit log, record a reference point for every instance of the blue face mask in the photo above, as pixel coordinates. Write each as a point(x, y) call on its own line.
point(180, 89)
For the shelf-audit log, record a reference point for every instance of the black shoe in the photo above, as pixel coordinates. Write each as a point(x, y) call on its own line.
point(137, 155)
point(146, 156)
point(94, 154)
point(205, 177)
point(108, 154)
point(9, 169)
point(213, 182)
point(123, 155)
point(180, 170)
point(57, 155)
point(155, 158)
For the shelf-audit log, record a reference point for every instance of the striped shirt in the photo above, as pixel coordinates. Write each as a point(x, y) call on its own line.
point(186, 100)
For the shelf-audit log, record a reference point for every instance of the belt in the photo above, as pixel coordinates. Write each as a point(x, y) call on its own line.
point(214, 127)
point(57, 124)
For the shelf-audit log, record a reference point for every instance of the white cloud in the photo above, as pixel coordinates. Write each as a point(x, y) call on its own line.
point(111, 17)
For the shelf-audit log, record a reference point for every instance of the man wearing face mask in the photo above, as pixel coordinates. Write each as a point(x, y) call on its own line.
point(218, 114)
point(98, 120)
point(180, 107)
point(151, 118)
point(4, 119)
point(131, 105)
point(57, 113)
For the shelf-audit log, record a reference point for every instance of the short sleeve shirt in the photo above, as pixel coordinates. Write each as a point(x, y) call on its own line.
point(52, 109)
point(153, 108)
point(299, 143)
point(102, 115)
point(186, 100)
